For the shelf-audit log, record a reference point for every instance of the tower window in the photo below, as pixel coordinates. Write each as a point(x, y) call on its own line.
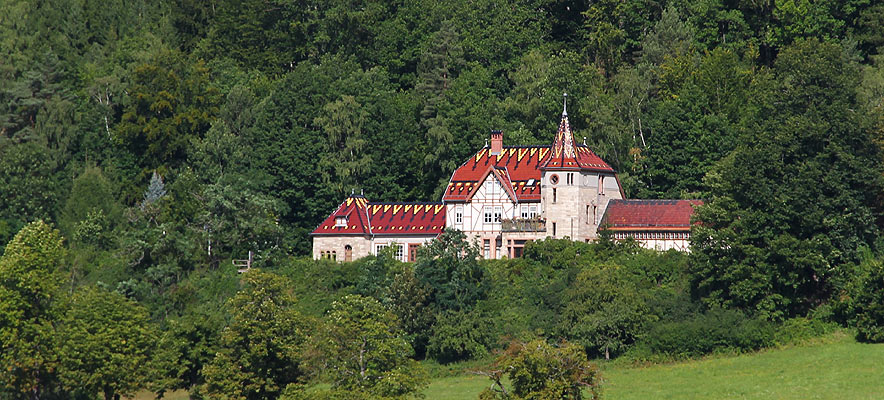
point(554, 228)
point(340, 221)
point(554, 195)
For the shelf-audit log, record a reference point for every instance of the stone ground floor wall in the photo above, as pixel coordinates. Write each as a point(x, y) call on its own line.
point(362, 246)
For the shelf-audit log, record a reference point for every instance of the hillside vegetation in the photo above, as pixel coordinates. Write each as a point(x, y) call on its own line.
point(146, 144)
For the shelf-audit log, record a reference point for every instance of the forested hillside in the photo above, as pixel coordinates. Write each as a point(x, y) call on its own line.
point(158, 140)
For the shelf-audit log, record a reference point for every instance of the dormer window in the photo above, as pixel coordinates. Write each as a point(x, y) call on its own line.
point(340, 222)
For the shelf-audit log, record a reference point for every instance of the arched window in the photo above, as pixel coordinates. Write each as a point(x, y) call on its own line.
point(348, 253)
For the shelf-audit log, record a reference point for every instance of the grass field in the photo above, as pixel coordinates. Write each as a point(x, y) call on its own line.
point(836, 367)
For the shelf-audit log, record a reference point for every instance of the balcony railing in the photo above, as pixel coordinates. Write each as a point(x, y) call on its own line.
point(523, 225)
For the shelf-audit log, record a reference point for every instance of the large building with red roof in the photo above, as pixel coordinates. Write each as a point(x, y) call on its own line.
point(504, 196)
point(655, 224)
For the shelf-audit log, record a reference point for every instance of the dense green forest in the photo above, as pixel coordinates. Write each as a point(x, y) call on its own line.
point(145, 144)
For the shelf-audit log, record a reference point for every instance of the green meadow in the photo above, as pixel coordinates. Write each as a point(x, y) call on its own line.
point(836, 367)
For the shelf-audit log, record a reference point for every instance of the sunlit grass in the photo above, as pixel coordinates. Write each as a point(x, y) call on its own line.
point(835, 368)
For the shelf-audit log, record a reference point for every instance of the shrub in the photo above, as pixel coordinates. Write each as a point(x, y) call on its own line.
point(713, 331)
point(864, 305)
point(460, 335)
point(538, 370)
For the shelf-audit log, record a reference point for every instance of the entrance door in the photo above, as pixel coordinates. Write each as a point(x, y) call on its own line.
point(412, 252)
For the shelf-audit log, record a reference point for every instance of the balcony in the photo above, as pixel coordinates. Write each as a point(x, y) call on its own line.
point(523, 225)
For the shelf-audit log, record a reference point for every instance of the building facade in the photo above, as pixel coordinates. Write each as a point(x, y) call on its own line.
point(503, 197)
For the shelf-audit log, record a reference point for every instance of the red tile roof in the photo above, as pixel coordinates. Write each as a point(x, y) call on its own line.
point(649, 214)
point(566, 155)
point(384, 218)
point(523, 164)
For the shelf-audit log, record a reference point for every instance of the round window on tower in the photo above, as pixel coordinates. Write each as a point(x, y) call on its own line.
point(554, 179)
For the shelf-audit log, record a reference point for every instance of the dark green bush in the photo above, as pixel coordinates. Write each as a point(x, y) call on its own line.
point(713, 331)
point(460, 335)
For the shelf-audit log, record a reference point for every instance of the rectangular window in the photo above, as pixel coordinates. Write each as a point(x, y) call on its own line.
point(412, 252)
point(595, 215)
point(498, 210)
point(601, 184)
point(340, 221)
point(525, 211)
point(487, 248)
point(554, 195)
point(587, 214)
point(400, 252)
point(554, 228)
point(497, 248)
point(489, 217)
point(458, 215)
point(532, 212)
point(570, 178)
point(378, 248)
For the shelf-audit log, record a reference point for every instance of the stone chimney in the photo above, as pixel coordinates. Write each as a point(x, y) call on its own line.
point(496, 141)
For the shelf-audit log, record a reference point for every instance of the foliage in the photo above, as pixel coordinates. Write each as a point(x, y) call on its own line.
point(261, 348)
point(255, 117)
point(776, 228)
point(604, 311)
point(867, 307)
point(460, 335)
point(106, 344)
point(538, 370)
point(715, 330)
point(362, 350)
point(448, 266)
point(29, 281)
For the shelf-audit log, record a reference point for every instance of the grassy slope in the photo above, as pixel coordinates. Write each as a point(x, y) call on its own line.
point(837, 369)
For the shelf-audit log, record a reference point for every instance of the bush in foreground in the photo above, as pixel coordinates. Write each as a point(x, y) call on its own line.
point(541, 371)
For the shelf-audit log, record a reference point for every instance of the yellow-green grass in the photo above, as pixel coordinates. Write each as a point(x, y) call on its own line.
point(835, 368)
point(839, 369)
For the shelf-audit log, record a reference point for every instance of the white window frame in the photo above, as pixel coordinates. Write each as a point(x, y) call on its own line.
point(498, 213)
point(340, 222)
point(458, 215)
point(400, 252)
point(488, 214)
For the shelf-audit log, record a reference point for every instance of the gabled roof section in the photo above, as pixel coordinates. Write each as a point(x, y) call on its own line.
point(649, 214)
point(364, 218)
point(566, 155)
point(522, 165)
point(354, 210)
point(502, 177)
point(407, 218)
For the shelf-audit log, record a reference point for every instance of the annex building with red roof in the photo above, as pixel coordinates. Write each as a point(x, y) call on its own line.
point(505, 196)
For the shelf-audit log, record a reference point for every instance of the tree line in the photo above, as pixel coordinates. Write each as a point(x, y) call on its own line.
point(159, 140)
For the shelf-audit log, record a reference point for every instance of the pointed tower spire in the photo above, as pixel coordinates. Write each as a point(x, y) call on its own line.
point(563, 152)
